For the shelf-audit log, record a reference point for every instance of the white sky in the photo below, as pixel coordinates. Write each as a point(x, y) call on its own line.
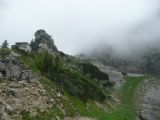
point(76, 25)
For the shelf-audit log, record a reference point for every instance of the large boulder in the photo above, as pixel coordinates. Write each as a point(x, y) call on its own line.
point(26, 75)
point(15, 71)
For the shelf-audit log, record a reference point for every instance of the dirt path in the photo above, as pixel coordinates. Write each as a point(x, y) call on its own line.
point(84, 118)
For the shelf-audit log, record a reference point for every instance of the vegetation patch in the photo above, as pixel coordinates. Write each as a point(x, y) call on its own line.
point(63, 74)
point(93, 71)
point(127, 109)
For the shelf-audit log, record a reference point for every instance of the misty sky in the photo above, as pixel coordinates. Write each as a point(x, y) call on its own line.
point(80, 25)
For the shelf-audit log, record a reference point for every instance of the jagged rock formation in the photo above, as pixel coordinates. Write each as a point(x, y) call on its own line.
point(43, 41)
point(11, 68)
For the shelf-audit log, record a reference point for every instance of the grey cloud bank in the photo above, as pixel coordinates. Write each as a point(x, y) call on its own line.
point(81, 25)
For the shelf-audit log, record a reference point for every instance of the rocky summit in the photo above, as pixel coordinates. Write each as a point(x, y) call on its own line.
point(43, 41)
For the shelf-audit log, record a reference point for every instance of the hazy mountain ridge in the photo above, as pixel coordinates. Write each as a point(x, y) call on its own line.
point(146, 61)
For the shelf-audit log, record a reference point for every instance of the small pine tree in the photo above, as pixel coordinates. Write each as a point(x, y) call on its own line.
point(57, 63)
point(47, 62)
point(4, 50)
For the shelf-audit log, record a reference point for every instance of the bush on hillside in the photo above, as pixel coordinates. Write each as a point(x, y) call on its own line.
point(93, 71)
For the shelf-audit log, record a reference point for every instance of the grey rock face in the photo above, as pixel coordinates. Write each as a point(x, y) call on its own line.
point(15, 71)
point(149, 102)
point(12, 69)
point(4, 70)
point(24, 75)
point(42, 42)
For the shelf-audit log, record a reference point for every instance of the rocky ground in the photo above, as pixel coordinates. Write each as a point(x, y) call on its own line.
point(149, 100)
point(19, 96)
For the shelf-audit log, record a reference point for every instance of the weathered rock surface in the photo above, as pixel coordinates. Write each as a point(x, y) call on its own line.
point(11, 68)
point(149, 100)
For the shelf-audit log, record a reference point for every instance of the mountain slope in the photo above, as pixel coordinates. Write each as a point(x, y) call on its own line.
point(63, 86)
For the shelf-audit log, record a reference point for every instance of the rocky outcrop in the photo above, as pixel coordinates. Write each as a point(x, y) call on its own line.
point(42, 42)
point(149, 100)
point(12, 69)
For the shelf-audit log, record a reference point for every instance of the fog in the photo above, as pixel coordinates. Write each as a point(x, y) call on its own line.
point(83, 25)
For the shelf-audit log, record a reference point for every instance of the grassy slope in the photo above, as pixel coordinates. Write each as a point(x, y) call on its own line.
point(127, 110)
point(70, 104)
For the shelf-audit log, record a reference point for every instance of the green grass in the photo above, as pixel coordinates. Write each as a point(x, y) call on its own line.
point(127, 109)
point(47, 114)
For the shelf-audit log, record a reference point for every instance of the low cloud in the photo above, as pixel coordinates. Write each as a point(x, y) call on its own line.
point(82, 25)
